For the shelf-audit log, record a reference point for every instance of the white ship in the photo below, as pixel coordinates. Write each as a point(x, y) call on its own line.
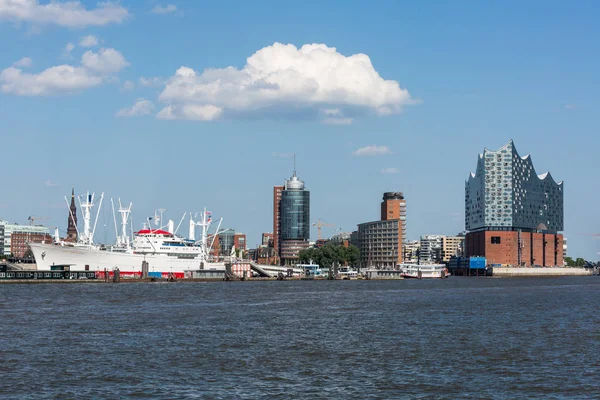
point(424, 271)
point(167, 254)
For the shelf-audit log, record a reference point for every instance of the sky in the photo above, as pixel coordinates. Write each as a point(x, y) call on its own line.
point(183, 105)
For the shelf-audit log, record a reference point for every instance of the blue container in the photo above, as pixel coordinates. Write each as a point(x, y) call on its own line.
point(155, 274)
point(477, 263)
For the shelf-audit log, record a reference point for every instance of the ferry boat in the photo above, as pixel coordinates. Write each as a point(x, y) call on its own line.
point(166, 254)
point(424, 271)
point(311, 270)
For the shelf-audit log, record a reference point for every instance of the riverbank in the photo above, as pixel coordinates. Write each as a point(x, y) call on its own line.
point(545, 271)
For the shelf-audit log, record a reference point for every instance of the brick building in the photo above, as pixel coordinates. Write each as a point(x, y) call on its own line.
point(513, 215)
point(19, 242)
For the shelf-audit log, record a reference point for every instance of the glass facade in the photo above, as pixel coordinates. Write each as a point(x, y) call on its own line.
point(507, 193)
point(295, 215)
point(226, 241)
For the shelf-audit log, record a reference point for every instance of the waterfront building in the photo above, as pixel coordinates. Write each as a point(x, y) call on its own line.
point(411, 249)
point(451, 247)
point(277, 190)
point(513, 215)
point(2, 237)
point(15, 238)
point(430, 251)
point(72, 220)
point(381, 242)
point(294, 220)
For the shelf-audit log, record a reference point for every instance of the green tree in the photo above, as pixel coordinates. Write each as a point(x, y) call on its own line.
point(580, 262)
point(569, 261)
point(330, 254)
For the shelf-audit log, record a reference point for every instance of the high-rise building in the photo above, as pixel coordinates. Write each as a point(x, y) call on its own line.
point(72, 220)
point(393, 206)
point(381, 242)
point(513, 215)
point(294, 219)
point(277, 218)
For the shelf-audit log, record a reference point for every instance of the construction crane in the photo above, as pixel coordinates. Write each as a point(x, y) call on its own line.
point(33, 218)
point(319, 224)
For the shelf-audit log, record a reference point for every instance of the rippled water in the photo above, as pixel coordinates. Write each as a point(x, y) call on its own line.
point(459, 337)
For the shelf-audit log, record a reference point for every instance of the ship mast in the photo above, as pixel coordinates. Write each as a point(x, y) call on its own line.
point(86, 208)
point(124, 212)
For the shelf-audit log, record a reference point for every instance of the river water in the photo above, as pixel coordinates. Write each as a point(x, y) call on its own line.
point(473, 338)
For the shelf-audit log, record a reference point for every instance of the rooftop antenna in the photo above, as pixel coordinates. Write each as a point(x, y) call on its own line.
point(294, 164)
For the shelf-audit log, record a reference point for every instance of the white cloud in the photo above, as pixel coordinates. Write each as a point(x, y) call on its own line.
point(70, 14)
point(141, 107)
point(24, 62)
point(190, 111)
point(152, 82)
point(62, 78)
point(94, 70)
point(128, 85)
point(168, 9)
point(105, 61)
point(69, 47)
point(314, 80)
point(390, 171)
point(89, 41)
point(570, 106)
point(337, 121)
point(372, 151)
point(50, 184)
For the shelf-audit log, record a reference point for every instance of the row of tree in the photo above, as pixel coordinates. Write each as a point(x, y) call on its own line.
point(579, 262)
point(331, 254)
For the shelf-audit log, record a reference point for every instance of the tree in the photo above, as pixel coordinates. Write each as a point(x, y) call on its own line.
point(580, 262)
point(330, 254)
point(569, 261)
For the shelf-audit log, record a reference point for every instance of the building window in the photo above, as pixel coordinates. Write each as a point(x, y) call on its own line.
point(495, 239)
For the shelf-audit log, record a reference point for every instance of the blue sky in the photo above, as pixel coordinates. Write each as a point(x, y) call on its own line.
point(444, 81)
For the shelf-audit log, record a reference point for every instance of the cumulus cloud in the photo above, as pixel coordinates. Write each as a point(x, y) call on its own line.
point(314, 80)
point(89, 41)
point(190, 111)
point(105, 61)
point(168, 9)
point(152, 82)
point(70, 14)
point(95, 69)
point(50, 184)
point(373, 150)
point(24, 62)
point(62, 78)
point(141, 107)
point(390, 171)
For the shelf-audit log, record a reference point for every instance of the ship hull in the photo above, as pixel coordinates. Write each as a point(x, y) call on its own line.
point(129, 264)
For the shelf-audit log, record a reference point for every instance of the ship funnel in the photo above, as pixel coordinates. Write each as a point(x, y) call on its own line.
point(171, 226)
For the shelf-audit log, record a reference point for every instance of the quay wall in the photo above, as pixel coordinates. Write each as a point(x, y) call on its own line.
point(543, 271)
